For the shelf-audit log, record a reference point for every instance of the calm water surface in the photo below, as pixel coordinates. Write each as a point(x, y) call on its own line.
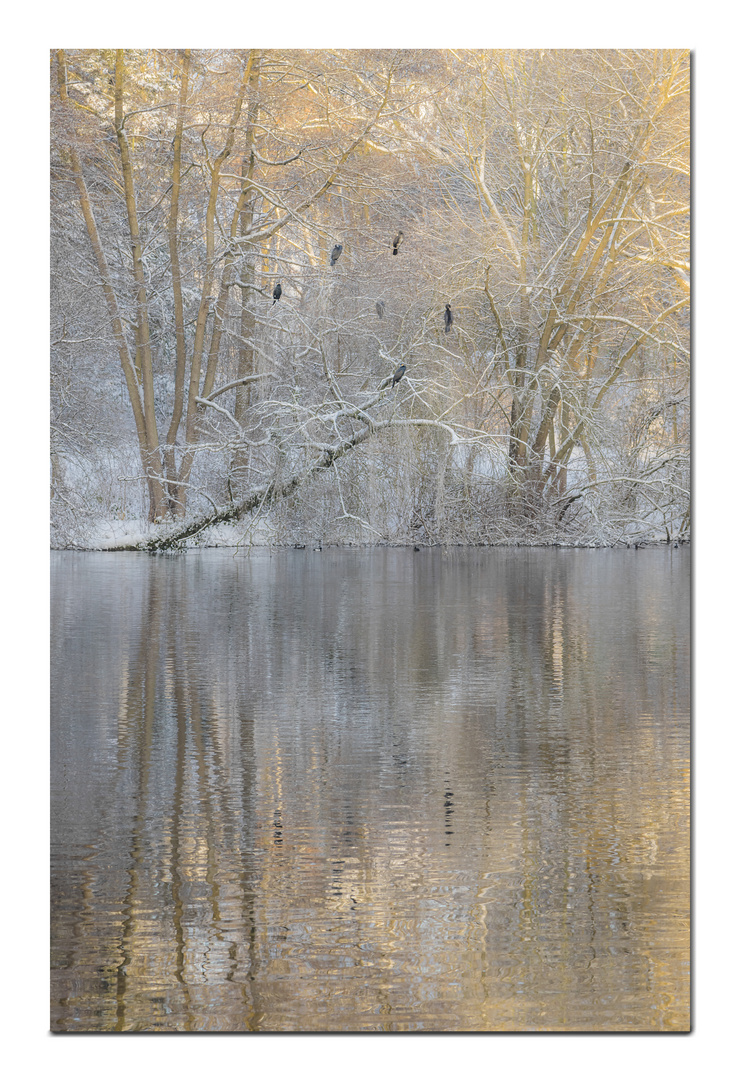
point(370, 791)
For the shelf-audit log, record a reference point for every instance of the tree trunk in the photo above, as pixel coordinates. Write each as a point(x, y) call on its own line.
point(194, 410)
point(176, 496)
point(148, 452)
point(160, 505)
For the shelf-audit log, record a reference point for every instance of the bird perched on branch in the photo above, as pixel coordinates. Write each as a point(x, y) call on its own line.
point(380, 308)
point(277, 292)
point(398, 374)
point(336, 251)
point(448, 319)
point(397, 242)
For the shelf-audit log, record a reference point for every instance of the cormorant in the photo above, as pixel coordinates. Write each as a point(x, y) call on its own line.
point(398, 374)
point(448, 319)
point(336, 251)
point(380, 308)
point(277, 292)
point(397, 242)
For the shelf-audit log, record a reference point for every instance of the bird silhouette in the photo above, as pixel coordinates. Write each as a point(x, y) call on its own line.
point(397, 242)
point(448, 319)
point(398, 374)
point(277, 292)
point(336, 251)
point(380, 308)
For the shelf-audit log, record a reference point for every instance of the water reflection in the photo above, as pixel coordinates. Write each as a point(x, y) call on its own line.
point(370, 791)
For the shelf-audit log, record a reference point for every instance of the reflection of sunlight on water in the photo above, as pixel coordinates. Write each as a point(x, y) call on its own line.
point(460, 803)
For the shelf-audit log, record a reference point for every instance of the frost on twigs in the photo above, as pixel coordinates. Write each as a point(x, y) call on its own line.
point(550, 405)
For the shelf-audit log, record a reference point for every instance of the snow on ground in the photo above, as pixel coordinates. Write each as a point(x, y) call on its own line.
point(108, 534)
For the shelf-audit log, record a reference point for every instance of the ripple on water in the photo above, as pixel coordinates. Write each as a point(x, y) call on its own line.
point(372, 794)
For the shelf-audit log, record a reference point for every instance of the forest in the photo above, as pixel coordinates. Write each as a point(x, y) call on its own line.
point(411, 297)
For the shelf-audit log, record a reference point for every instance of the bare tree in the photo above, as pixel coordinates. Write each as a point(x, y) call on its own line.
point(215, 221)
point(543, 196)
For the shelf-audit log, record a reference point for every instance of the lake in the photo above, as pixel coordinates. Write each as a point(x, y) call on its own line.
point(371, 790)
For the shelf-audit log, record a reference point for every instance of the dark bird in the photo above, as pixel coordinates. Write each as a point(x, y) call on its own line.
point(397, 242)
point(380, 308)
point(398, 374)
point(336, 251)
point(448, 319)
point(277, 292)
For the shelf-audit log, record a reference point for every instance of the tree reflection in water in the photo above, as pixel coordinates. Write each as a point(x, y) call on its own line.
point(370, 791)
